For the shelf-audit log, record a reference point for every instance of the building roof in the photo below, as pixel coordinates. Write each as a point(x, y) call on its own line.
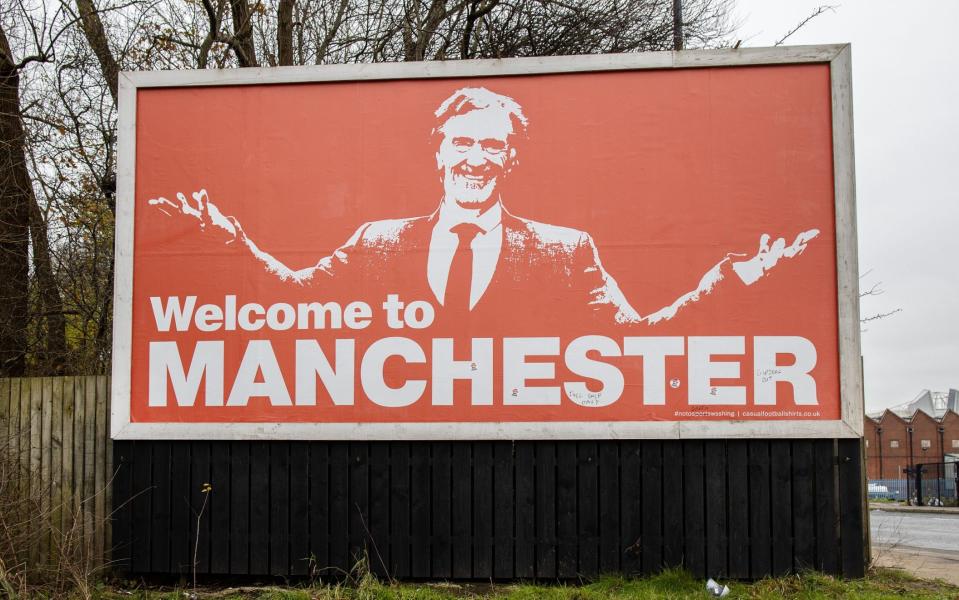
point(934, 404)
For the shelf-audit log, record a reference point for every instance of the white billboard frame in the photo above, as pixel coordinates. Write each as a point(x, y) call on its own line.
point(838, 57)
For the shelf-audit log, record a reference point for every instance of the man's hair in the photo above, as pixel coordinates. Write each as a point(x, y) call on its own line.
point(466, 100)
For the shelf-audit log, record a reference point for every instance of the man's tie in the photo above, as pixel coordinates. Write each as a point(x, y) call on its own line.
point(460, 280)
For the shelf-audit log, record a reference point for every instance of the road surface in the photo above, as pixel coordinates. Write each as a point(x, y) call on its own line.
point(927, 545)
point(917, 530)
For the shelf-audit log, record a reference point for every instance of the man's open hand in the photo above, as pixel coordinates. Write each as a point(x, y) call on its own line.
point(750, 270)
point(209, 217)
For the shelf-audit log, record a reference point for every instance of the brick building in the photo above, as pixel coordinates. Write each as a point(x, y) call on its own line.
point(925, 430)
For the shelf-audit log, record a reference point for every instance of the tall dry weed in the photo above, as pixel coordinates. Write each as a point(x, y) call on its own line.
point(47, 548)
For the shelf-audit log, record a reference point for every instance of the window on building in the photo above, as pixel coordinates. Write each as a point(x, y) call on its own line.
point(925, 444)
point(867, 443)
point(955, 443)
point(893, 443)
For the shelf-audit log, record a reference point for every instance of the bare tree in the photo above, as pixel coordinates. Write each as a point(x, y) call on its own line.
point(59, 65)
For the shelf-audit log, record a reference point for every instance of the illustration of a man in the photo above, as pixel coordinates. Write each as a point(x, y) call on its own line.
point(471, 256)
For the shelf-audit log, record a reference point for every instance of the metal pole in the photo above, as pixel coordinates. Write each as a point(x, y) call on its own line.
point(677, 24)
point(919, 485)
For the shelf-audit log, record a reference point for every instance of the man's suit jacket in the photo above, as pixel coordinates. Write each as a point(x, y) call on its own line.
point(545, 273)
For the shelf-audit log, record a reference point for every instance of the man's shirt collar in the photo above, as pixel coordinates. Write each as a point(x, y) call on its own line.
point(452, 215)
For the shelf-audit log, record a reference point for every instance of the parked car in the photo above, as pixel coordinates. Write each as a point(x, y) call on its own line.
point(877, 491)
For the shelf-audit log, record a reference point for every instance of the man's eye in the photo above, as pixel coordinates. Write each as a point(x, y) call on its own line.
point(462, 143)
point(494, 146)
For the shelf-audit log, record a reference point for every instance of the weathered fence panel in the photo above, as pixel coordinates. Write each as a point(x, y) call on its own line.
point(501, 510)
point(55, 432)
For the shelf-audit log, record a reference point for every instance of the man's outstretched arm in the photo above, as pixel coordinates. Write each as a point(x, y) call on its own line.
point(211, 219)
point(749, 270)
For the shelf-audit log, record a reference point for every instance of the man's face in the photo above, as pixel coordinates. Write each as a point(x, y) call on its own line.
point(474, 154)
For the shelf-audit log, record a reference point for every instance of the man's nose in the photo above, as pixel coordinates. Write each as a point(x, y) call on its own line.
point(475, 156)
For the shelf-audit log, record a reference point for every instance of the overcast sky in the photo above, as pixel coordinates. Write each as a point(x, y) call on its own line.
point(905, 94)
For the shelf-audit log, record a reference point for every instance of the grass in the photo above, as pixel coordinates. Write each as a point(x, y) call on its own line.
point(879, 584)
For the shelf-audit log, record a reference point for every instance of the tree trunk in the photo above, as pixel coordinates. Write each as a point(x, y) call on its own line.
point(243, 33)
point(97, 38)
point(54, 334)
point(284, 32)
point(14, 220)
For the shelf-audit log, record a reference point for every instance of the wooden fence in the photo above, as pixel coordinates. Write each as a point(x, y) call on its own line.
point(461, 510)
point(56, 430)
point(482, 510)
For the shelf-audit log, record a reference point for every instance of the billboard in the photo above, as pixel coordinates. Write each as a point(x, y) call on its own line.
point(653, 245)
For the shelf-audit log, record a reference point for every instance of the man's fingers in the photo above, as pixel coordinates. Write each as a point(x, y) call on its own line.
point(187, 208)
point(162, 202)
point(763, 244)
point(201, 200)
point(799, 244)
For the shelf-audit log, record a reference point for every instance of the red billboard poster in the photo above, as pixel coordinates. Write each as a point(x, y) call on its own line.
point(589, 248)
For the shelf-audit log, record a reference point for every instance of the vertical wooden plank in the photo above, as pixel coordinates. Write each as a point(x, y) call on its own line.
point(142, 527)
point(279, 508)
point(13, 430)
point(219, 507)
point(89, 457)
point(12, 438)
point(100, 476)
point(420, 509)
point(181, 511)
point(160, 495)
point(320, 506)
point(827, 498)
point(587, 504)
point(694, 506)
point(781, 511)
point(630, 506)
point(673, 522)
point(851, 518)
point(260, 507)
point(546, 510)
point(380, 508)
point(34, 474)
point(609, 508)
point(483, 510)
point(56, 461)
point(462, 510)
point(400, 509)
point(566, 533)
point(123, 492)
point(66, 455)
point(339, 546)
point(299, 508)
point(199, 500)
point(359, 508)
point(503, 506)
point(46, 435)
point(651, 543)
point(525, 526)
point(804, 519)
point(79, 451)
point(109, 472)
point(26, 409)
point(738, 507)
point(717, 540)
point(441, 548)
point(240, 485)
point(25, 437)
point(759, 510)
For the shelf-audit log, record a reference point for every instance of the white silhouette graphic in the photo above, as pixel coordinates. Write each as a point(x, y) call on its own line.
point(475, 129)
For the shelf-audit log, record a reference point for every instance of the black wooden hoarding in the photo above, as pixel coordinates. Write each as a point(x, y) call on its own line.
point(490, 510)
